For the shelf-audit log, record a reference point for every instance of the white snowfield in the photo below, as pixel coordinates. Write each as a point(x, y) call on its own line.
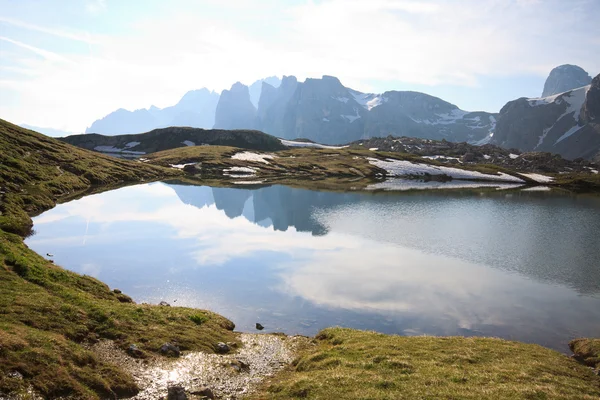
point(291, 143)
point(539, 178)
point(246, 170)
point(131, 144)
point(439, 157)
point(368, 100)
point(250, 156)
point(407, 168)
point(574, 100)
point(188, 143)
point(397, 184)
point(111, 149)
point(181, 166)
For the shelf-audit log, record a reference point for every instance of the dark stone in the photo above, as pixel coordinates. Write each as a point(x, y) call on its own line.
point(164, 303)
point(176, 393)
point(204, 391)
point(135, 352)
point(222, 348)
point(239, 366)
point(123, 298)
point(170, 349)
point(117, 291)
point(259, 326)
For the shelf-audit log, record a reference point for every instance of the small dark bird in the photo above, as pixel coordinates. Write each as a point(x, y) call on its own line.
point(259, 327)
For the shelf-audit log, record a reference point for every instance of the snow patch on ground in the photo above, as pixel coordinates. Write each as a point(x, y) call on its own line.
point(396, 184)
point(188, 143)
point(246, 170)
point(181, 166)
point(538, 177)
point(249, 156)
point(442, 158)
point(325, 119)
point(374, 148)
point(537, 189)
point(407, 168)
point(111, 149)
point(487, 156)
point(291, 143)
point(131, 144)
point(513, 156)
point(248, 182)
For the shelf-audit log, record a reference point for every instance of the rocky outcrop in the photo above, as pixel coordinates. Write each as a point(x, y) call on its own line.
point(235, 110)
point(564, 78)
point(325, 111)
point(566, 123)
point(195, 109)
point(170, 138)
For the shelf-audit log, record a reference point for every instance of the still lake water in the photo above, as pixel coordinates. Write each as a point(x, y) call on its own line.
point(523, 266)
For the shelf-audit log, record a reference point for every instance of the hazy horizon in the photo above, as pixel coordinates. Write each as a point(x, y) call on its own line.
point(64, 66)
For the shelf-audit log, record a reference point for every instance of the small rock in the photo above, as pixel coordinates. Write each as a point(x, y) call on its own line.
point(14, 375)
point(259, 326)
point(117, 291)
point(164, 303)
point(222, 348)
point(204, 391)
point(170, 349)
point(239, 366)
point(176, 393)
point(135, 352)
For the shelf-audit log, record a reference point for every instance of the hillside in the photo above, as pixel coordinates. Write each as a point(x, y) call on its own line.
point(174, 137)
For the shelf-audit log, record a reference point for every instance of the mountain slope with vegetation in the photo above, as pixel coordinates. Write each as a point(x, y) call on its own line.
point(48, 313)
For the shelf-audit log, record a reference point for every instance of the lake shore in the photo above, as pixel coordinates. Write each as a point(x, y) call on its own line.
point(51, 316)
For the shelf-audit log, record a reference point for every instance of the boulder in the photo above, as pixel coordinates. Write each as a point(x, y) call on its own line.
point(170, 349)
point(176, 393)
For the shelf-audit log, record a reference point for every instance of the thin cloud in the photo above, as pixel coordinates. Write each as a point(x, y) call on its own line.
point(80, 36)
point(48, 55)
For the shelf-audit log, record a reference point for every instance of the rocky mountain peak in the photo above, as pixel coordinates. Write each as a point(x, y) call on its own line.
point(565, 77)
point(235, 110)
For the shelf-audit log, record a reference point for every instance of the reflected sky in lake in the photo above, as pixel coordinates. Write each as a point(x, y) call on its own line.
point(521, 266)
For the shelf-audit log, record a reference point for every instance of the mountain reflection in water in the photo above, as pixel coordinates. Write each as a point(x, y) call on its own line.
point(520, 266)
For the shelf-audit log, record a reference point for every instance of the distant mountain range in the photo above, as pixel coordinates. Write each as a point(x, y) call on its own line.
point(325, 111)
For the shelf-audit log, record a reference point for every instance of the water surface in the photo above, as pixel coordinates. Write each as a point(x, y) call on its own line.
point(521, 265)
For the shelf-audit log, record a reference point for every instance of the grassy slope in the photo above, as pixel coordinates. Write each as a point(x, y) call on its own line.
point(350, 364)
point(46, 312)
point(346, 163)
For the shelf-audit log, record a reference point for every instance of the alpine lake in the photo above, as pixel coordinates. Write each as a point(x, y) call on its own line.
point(516, 264)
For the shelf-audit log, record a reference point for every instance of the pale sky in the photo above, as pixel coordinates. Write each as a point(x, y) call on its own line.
point(66, 63)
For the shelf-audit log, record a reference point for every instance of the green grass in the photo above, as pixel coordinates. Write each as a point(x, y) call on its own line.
point(350, 364)
point(47, 313)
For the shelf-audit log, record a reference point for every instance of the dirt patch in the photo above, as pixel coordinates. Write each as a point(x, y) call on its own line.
point(229, 376)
